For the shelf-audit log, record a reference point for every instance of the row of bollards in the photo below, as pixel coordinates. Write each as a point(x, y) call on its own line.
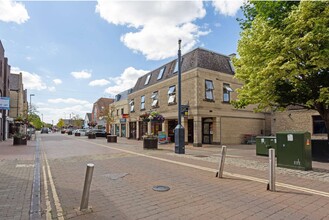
point(270, 185)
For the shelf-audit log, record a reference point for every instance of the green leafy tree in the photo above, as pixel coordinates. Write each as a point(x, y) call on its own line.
point(287, 65)
point(77, 121)
point(60, 123)
point(107, 113)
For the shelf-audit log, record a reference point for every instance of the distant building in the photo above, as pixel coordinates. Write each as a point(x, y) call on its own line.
point(18, 102)
point(98, 107)
point(87, 120)
point(120, 114)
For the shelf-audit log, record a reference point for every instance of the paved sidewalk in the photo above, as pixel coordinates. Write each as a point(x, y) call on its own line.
point(16, 171)
point(125, 174)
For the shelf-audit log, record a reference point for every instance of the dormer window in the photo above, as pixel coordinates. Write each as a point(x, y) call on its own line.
point(155, 101)
point(176, 66)
point(143, 102)
point(231, 65)
point(117, 97)
point(132, 105)
point(172, 95)
point(147, 79)
point(161, 72)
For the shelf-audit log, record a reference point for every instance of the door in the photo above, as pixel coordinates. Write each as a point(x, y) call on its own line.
point(207, 131)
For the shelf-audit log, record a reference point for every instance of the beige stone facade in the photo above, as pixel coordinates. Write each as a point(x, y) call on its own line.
point(120, 126)
point(209, 121)
point(299, 120)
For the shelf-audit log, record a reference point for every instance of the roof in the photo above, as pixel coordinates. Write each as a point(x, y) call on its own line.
point(198, 57)
point(14, 80)
point(103, 102)
point(88, 116)
point(122, 95)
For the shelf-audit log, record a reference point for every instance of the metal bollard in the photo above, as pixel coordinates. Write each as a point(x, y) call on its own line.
point(221, 163)
point(271, 185)
point(86, 187)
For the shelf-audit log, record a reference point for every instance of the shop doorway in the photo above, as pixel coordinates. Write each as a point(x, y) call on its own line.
point(207, 130)
point(132, 130)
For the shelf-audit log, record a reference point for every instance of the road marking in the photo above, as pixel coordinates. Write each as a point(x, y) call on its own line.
point(58, 206)
point(48, 207)
point(255, 179)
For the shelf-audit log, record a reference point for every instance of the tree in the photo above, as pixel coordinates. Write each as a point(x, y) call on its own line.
point(77, 121)
point(60, 123)
point(107, 113)
point(287, 65)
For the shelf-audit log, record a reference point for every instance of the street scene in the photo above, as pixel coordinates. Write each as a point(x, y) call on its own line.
point(125, 174)
point(164, 109)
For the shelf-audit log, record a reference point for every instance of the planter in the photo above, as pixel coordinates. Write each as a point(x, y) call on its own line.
point(77, 134)
point(111, 138)
point(19, 141)
point(62, 132)
point(150, 143)
point(69, 132)
point(92, 136)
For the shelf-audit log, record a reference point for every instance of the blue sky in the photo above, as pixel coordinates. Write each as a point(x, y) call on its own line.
point(73, 52)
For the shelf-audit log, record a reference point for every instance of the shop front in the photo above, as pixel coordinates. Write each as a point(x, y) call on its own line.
point(132, 130)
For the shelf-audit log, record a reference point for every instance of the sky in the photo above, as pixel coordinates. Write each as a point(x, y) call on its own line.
point(71, 53)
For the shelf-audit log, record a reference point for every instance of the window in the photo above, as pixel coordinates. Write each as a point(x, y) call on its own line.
point(147, 79)
point(132, 105)
point(231, 65)
point(161, 72)
point(122, 111)
point(154, 98)
point(209, 90)
point(143, 102)
point(176, 65)
point(226, 92)
point(172, 95)
point(117, 97)
point(319, 126)
point(117, 112)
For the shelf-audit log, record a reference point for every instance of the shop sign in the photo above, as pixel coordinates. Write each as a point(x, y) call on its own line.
point(4, 103)
point(125, 115)
point(122, 120)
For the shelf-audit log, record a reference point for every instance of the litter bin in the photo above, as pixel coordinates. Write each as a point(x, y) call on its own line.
point(264, 143)
point(294, 150)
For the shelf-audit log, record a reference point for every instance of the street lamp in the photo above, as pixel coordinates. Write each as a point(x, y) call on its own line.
point(179, 130)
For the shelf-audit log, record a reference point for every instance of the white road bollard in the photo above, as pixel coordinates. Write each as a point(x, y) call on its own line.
point(271, 185)
point(86, 187)
point(221, 163)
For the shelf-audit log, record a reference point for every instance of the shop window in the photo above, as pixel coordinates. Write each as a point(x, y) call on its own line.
point(132, 105)
point(172, 95)
point(155, 101)
point(209, 90)
point(143, 102)
point(161, 72)
point(319, 126)
point(227, 92)
point(147, 79)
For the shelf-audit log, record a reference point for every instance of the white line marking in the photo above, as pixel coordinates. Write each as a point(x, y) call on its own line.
point(303, 189)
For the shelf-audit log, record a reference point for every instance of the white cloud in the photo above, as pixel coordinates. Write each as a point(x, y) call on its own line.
point(57, 81)
point(84, 74)
point(125, 81)
point(51, 89)
point(68, 101)
point(99, 82)
point(228, 7)
point(30, 80)
point(158, 24)
point(12, 11)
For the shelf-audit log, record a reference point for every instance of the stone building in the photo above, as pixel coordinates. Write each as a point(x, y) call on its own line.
point(299, 119)
point(18, 102)
point(208, 86)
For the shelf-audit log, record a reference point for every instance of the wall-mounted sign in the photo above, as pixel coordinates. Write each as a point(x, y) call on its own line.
point(125, 115)
point(4, 103)
point(122, 120)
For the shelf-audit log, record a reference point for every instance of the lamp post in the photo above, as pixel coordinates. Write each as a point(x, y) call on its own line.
point(179, 130)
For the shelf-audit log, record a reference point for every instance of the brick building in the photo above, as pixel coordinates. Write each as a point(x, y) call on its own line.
point(208, 86)
point(98, 107)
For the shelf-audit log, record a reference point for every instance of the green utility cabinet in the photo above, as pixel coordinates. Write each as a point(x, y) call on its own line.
point(264, 143)
point(294, 150)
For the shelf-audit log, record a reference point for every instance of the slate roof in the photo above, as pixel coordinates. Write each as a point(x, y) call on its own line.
point(198, 57)
point(121, 96)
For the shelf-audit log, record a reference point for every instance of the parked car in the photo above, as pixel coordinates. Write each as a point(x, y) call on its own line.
point(81, 131)
point(98, 132)
point(44, 130)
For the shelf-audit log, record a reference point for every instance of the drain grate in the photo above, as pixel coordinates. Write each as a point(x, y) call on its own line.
point(161, 188)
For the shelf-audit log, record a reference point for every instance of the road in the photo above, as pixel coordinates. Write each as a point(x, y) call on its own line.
point(125, 174)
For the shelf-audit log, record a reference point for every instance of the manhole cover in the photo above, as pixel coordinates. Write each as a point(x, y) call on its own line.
point(161, 188)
